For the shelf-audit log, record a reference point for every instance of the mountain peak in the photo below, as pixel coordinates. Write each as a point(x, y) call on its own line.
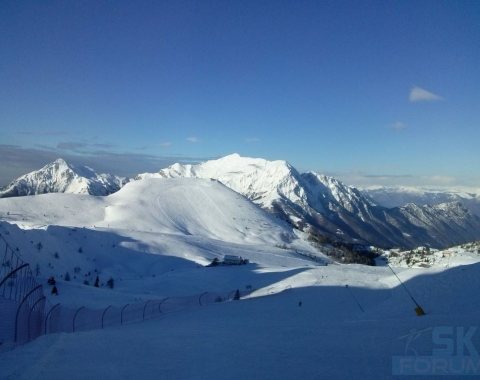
point(61, 177)
point(59, 161)
point(260, 180)
point(231, 156)
point(246, 159)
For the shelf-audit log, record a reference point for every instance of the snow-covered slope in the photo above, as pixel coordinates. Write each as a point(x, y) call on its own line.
point(423, 257)
point(325, 205)
point(150, 235)
point(400, 196)
point(319, 328)
point(191, 207)
point(193, 219)
point(62, 177)
point(339, 320)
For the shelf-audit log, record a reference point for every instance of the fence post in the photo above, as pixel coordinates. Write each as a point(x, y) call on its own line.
point(103, 314)
point(48, 315)
point(145, 308)
point(200, 298)
point(160, 304)
point(20, 306)
point(418, 308)
point(75, 316)
point(30, 314)
point(121, 313)
point(12, 273)
point(355, 298)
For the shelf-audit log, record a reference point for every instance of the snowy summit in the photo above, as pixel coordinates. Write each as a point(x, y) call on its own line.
point(62, 177)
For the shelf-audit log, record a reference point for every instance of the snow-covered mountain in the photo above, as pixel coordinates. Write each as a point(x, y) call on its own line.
point(62, 177)
point(324, 205)
point(311, 202)
point(402, 195)
point(194, 219)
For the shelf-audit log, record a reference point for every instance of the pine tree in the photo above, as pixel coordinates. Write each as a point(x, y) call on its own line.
point(236, 297)
point(67, 276)
point(110, 283)
point(214, 262)
point(97, 282)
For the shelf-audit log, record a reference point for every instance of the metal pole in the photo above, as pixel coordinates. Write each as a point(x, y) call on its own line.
point(12, 273)
point(20, 306)
point(75, 316)
point(419, 309)
point(48, 315)
point(353, 296)
point(30, 314)
point(103, 314)
point(200, 298)
point(160, 304)
point(121, 313)
point(145, 308)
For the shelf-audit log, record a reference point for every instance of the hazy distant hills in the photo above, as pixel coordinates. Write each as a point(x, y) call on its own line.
point(400, 196)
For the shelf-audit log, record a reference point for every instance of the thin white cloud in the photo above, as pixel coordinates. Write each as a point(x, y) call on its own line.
point(398, 126)
point(252, 140)
point(193, 139)
point(418, 94)
point(166, 144)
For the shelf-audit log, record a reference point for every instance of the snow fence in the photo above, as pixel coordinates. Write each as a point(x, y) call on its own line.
point(22, 302)
point(25, 313)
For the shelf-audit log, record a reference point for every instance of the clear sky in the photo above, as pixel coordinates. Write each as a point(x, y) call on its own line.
point(371, 91)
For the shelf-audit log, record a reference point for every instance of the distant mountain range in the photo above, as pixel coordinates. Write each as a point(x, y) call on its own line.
point(315, 203)
point(400, 196)
point(62, 177)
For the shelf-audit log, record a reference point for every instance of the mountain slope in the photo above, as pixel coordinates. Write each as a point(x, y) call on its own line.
point(324, 205)
point(62, 177)
point(400, 196)
point(187, 207)
point(192, 207)
point(147, 229)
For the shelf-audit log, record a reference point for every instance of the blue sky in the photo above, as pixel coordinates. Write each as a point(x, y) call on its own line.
point(372, 91)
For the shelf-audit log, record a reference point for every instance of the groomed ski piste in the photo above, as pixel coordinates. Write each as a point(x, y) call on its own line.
point(308, 319)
